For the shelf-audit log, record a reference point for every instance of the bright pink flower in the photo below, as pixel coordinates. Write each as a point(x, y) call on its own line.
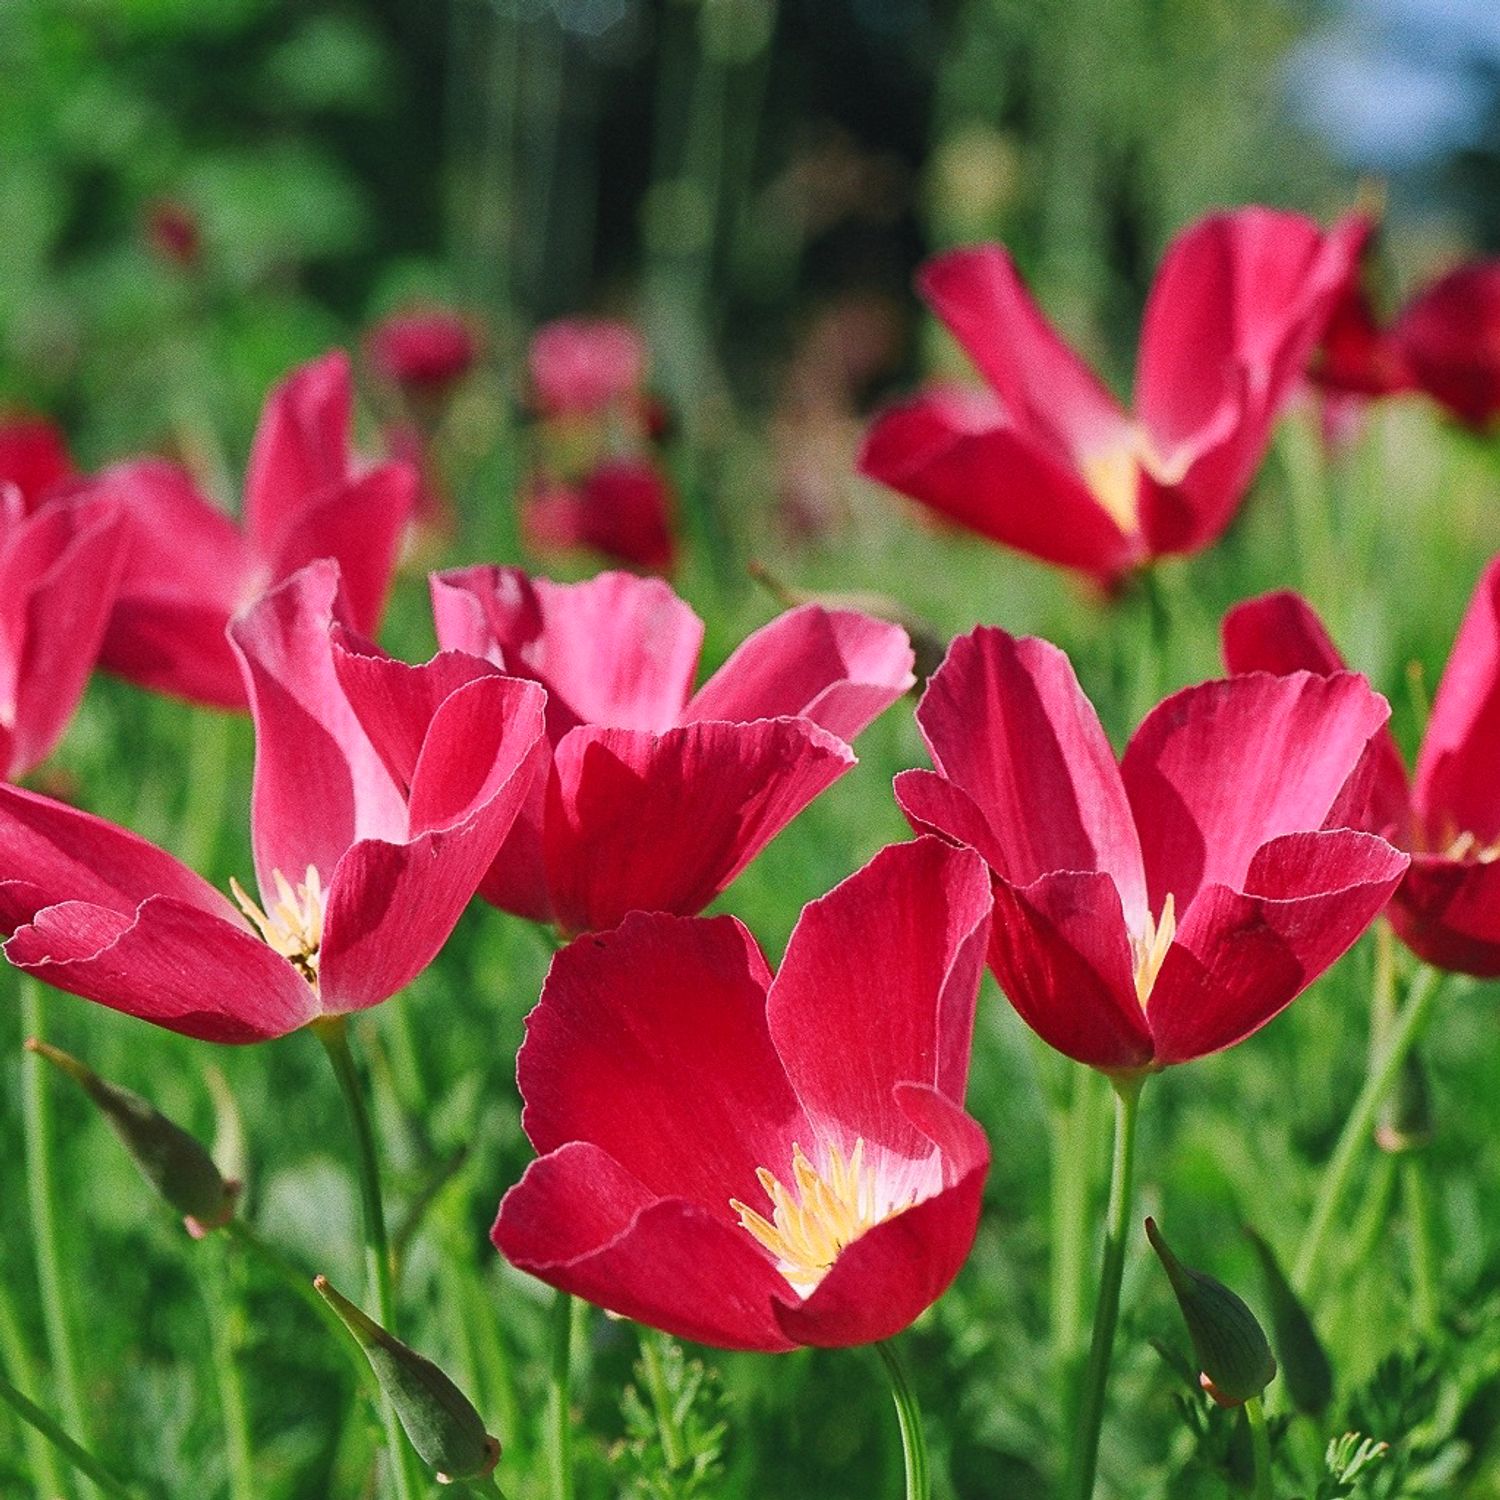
point(657, 797)
point(1449, 337)
point(621, 510)
point(1447, 910)
point(382, 792)
point(583, 366)
point(59, 569)
point(1153, 910)
point(752, 1162)
point(425, 350)
point(1046, 460)
point(33, 457)
point(192, 568)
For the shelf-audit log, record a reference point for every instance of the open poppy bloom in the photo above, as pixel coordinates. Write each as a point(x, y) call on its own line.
point(1157, 909)
point(33, 457)
point(752, 1162)
point(59, 568)
point(581, 367)
point(657, 797)
point(622, 509)
point(382, 792)
point(191, 567)
point(423, 351)
point(1045, 460)
point(1447, 910)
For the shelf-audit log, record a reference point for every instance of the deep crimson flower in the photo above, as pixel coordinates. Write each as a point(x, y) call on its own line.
point(1449, 337)
point(583, 366)
point(752, 1162)
point(33, 457)
point(622, 509)
point(1447, 910)
point(191, 568)
point(173, 233)
point(1357, 356)
point(423, 350)
point(1151, 911)
point(1045, 460)
point(382, 792)
point(59, 569)
point(658, 797)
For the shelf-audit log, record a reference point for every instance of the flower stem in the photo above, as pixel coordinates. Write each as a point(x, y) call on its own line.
point(202, 825)
point(1085, 1453)
point(36, 1123)
point(559, 1441)
point(1419, 1232)
point(76, 1454)
point(652, 1344)
point(15, 1360)
point(909, 1416)
point(333, 1032)
point(1075, 1125)
point(1399, 1040)
point(1260, 1446)
point(223, 1320)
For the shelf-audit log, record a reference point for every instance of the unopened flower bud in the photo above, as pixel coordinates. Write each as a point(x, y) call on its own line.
point(1233, 1353)
point(1304, 1364)
point(173, 1162)
point(440, 1420)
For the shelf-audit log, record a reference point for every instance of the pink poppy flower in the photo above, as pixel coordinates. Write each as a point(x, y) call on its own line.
point(59, 569)
point(657, 797)
point(622, 510)
point(1447, 910)
point(1045, 459)
point(583, 366)
point(191, 567)
point(382, 792)
point(1155, 909)
point(33, 457)
point(752, 1162)
point(424, 350)
point(1449, 338)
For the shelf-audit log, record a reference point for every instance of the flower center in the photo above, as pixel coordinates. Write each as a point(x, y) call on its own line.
point(1150, 949)
point(1466, 846)
point(292, 924)
point(1114, 477)
point(822, 1214)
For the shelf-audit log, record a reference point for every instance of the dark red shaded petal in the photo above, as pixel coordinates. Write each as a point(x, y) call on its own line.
point(1061, 952)
point(895, 1271)
point(1449, 337)
point(581, 1222)
point(650, 1042)
point(517, 880)
point(169, 963)
point(957, 453)
point(1457, 783)
point(617, 650)
point(1240, 958)
point(1006, 721)
point(838, 668)
point(1447, 911)
point(933, 805)
point(1220, 769)
point(621, 510)
point(878, 987)
point(643, 822)
point(33, 457)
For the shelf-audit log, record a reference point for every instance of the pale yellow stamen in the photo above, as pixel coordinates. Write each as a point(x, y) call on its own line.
point(820, 1216)
point(292, 924)
point(1114, 477)
point(1467, 846)
point(1150, 950)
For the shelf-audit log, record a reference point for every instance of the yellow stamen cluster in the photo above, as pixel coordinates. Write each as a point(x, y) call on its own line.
point(1114, 478)
point(1467, 846)
point(821, 1215)
point(1150, 950)
point(292, 924)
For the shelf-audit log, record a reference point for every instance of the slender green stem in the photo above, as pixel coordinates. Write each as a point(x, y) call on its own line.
point(15, 1360)
point(74, 1451)
point(203, 810)
point(559, 1442)
point(1084, 1458)
point(1260, 1446)
point(1400, 1038)
point(909, 1416)
point(223, 1330)
point(486, 1486)
point(333, 1032)
point(36, 1125)
point(1419, 1232)
point(652, 1344)
point(1074, 1128)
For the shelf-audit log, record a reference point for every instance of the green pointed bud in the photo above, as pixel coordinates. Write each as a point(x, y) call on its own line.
point(1304, 1363)
point(1235, 1359)
point(171, 1160)
point(439, 1419)
point(1405, 1122)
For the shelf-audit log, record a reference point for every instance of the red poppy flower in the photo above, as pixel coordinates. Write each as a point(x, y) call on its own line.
point(583, 366)
point(1358, 357)
point(658, 797)
point(1153, 910)
point(382, 792)
point(59, 569)
point(173, 232)
point(33, 457)
point(191, 567)
point(424, 350)
point(752, 1162)
point(1046, 461)
point(1449, 337)
point(622, 509)
point(1447, 910)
